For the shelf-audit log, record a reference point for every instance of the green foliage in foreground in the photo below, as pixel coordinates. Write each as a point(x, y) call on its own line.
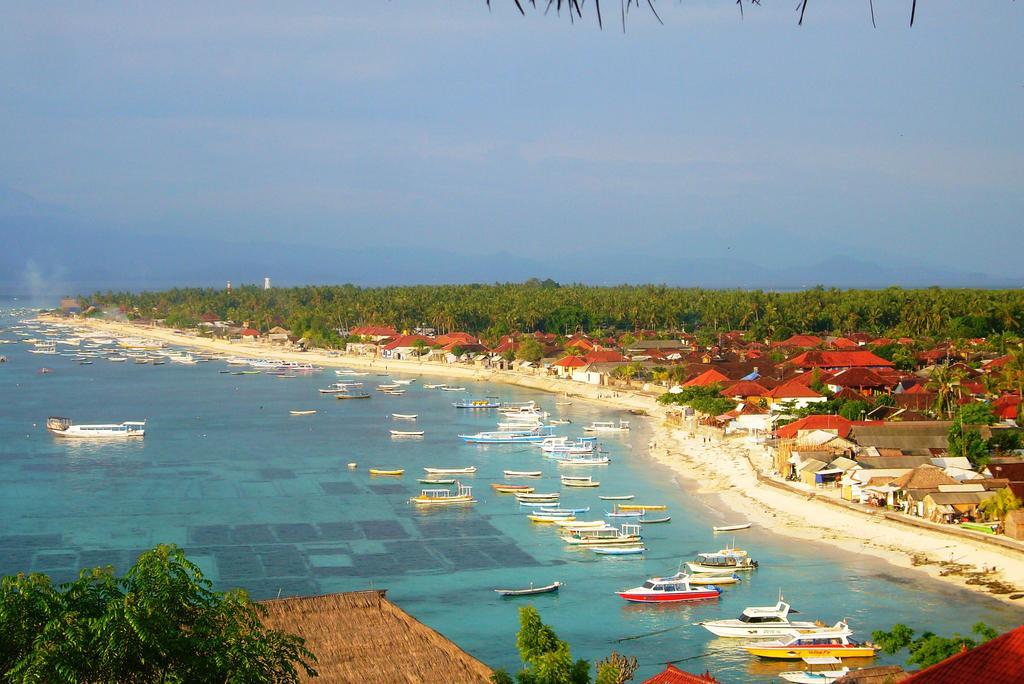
point(707, 400)
point(928, 649)
point(160, 622)
point(548, 659)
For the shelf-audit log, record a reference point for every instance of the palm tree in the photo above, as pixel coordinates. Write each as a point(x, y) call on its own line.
point(945, 382)
point(999, 505)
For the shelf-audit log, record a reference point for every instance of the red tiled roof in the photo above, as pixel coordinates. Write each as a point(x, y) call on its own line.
point(249, 332)
point(843, 343)
point(838, 359)
point(994, 363)
point(579, 342)
point(673, 675)
point(793, 390)
point(708, 377)
point(919, 388)
point(459, 337)
point(998, 660)
point(836, 424)
point(570, 362)
point(745, 388)
point(857, 377)
point(604, 356)
point(806, 379)
point(1005, 407)
point(798, 341)
point(209, 317)
point(407, 341)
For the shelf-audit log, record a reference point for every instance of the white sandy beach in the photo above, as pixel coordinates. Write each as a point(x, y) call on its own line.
point(721, 468)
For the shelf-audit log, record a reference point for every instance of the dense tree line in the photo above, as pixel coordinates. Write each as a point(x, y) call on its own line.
point(495, 309)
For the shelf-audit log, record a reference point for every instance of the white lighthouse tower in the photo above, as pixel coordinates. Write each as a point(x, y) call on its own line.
point(266, 283)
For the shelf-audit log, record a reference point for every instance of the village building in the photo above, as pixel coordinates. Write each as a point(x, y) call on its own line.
point(838, 360)
point(405, 347)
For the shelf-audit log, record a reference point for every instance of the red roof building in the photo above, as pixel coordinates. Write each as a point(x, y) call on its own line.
point(708, 377)
point(377, 332)
point(858, 379)
point(570, 362)
point(407, 342)
point(673, 675)
point(456, 337)
point(842, 343)
point(999, 660)
point(579, 342)
point(837, 424)
point(793, 390)
point(249, 332)
point(604, 356)
point(838, 360)
point(745, 388)
point(1006, 406)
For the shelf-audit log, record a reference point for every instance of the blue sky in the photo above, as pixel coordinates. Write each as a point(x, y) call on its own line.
point(436, 123)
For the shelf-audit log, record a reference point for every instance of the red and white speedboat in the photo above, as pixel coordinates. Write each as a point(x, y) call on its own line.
point(669, 590)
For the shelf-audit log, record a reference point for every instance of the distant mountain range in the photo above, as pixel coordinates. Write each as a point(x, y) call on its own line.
point(46, 251)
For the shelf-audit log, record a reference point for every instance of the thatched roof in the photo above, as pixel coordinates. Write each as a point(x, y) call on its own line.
point(923, 477)
point(362, 637)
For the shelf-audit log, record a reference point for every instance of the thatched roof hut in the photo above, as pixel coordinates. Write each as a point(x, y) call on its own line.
point(362, 637)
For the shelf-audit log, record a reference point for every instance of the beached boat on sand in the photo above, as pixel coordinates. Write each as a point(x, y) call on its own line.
point(607, 426)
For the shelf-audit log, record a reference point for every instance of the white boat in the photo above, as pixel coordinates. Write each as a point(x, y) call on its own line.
point(730, 528)
point(728, 559)
point(618, 550)
point(406, 433)
point(575, 481)
point(307, 412)
point(441, 386)
point(445, 388)
point(583, 461)
point(63, 427)
point(349, 372)
point(759, 621)
point(700, 579)
point(523, 473)
point(623, 497)
point(605, 536)
point(607, 426)
point(451, 471)
point(816, 676)
point(404, 416)
point(404, 382)
point(554, 586)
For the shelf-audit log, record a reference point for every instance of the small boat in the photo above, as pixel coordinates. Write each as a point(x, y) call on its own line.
point(584, 524)
point(607, 426)
point(404, 416)
point(559, 422)
point(434, 481)
point(544, 503)
point(404, 382)
point(642, 507)
point(571, 481)
point(554, 586)
point(623, 514)
point(445, 388)
point(563, 403)
point(445, 497)
point(307, 412)
point(836, 642)
point(617, 550)
point(548, 496)
point(381, 471)
point(669, 590)
point(583, 460)
point(717, 580)
point(353, 466)
point(729, 559)
point(624, 497)
point(605, 536)
point(386, 388)
point(451, 471)
point(349, 395)
point(654, 521)
point(730, 528)
point(434, 386)
point(548, 517)
point(585, 509)
point(406, 433)
point(510, 488)
point(489, 403)
point(816, 676)
point(523, 473)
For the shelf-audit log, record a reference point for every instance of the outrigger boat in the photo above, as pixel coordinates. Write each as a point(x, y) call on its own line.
point(404, 416)
point(730, 528)
point(583, 461)
point(628, 534)
point(488, 403)
point(451, 471)
point(428, 480)
point(817, 643)
point(760, 621)
point(554, 586)
point(717, 580)
point(523, 473)
point(579, 481)
point(816, 676)
point(642, 507)
point(441, 386)
point(382, 471)
point(729, 559)
point(653, 521)
point(669, 590)
point(359, 395)
point(607, 426)
point(549, 517)
point(617, 550)
point(623, 497)
point(530, 496)
point(445, 497)
point(406, 433)
point(501, 488)
point(308, 412)
point(508, 436)
point(63, 427)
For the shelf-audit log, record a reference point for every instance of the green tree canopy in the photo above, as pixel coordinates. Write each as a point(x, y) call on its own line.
point(929, 648)
point(159, 622)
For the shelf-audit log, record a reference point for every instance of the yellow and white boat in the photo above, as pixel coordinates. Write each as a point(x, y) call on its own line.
point(381, 471)
point(543, 518)
point(814, 643)
point(642, 507)
point(629, 534)
point(445, 497)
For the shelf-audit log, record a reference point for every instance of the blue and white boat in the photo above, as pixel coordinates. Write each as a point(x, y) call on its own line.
point(509, 436)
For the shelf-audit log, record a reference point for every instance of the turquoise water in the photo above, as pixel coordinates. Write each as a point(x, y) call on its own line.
point(264, 500)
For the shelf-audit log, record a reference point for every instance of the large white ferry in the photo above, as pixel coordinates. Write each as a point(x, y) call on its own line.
point(63, 427)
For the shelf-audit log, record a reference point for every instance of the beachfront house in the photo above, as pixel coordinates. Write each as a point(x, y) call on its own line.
point(405, 347)
point(954, 503)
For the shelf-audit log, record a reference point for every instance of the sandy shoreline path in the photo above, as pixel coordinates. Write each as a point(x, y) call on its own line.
point(722, 468)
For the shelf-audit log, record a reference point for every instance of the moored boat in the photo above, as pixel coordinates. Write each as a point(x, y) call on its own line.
point(618, 550)
point(451, 471)
point(608, 426)
point(407, 433)
point(760, 621)
point(836, 643)
point(523, 473)
point(730, 528)
point(436, 481)
point(815, 676)
point(383, 471)
point(510, 488)
point(628, 534)
point(579, 481)
point(549, 517)
point(622, 497)
point(352, 395)
point(672, 589)
point(63, 427)
point(445, 497)
point(489, 403)
point(306, 412)
point(729, 559)
point(404, 416)
point(554, 586)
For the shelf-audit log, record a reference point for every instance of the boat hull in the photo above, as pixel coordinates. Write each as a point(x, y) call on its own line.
point(801, 652)
point(669, 596)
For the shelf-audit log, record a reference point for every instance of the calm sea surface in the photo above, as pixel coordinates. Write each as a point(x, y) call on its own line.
point(263, 500)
